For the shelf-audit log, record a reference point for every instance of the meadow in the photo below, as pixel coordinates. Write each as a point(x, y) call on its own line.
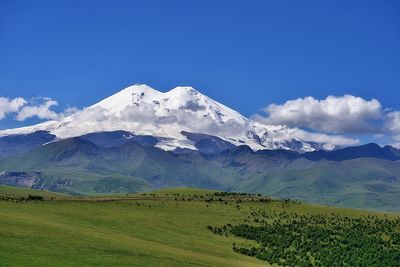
point(161, 228)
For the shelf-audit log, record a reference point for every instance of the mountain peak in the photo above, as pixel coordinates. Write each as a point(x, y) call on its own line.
point(138, 89)
point(128, 96)
point(142, 110)
point(188, 89)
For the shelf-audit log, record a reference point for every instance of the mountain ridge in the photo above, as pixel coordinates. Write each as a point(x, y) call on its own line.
point(142, 110)
point(77, 166)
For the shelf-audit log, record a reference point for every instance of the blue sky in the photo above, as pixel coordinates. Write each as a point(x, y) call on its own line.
point(245, 54)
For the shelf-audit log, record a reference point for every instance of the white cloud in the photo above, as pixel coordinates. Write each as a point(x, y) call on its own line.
point(68, 112)
point(392, 126)
point(346, 114)
point(10, 105)
point(286, 133)
point(184, 118)
point(37, 107)
point(42, 111)
point(392, 120)
point(299, 134)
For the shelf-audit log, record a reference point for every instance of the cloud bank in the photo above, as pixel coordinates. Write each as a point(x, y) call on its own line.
point(346, 114)
point(10, 105)
point(40, 107)
point(42, 111)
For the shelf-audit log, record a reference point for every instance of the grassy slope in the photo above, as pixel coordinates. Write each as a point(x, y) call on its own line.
point(14, 191)
point(90, 233)
point(86, 233)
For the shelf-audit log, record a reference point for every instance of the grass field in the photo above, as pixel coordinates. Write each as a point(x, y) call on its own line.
point(14, 191)
point(163, 228)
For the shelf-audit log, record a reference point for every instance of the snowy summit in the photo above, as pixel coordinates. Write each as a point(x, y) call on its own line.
point(142, 110)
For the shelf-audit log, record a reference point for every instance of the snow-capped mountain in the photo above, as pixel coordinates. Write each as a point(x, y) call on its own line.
point(142, 110)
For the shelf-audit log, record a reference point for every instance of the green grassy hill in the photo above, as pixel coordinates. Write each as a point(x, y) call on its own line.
point(23, 192)
point(162, 228)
